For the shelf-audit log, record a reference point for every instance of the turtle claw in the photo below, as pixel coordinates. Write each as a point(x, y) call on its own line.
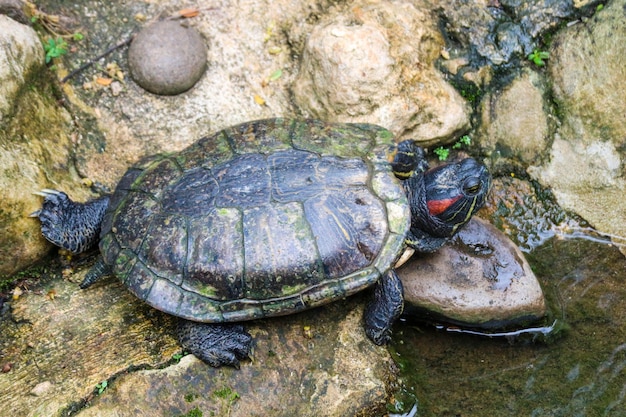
point(45, 193)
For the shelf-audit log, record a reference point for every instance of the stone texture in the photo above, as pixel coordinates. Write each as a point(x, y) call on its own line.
point(14, 9)
point(515, 122)
point(62, 341)
point(481, 280)
point(586, 169)
point(500, 30)
point(358, 67)
point(21, 53)
point(167, 57)
point(35, 144)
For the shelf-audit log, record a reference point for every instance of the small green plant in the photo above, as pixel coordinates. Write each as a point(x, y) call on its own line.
point(55, 48)
point(102, 386)
point(465, 140)
point(178, 356)
point(539, 57)
point(442, 153)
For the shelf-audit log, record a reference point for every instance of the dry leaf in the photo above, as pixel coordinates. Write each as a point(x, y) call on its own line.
point(104, 81)
point(17, 291)
point(259, 100)
point(190, 12)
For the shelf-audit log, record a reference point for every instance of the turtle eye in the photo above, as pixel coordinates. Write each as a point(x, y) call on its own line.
point(471, 186)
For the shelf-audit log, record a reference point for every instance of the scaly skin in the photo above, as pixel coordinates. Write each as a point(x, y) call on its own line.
point(70, 225)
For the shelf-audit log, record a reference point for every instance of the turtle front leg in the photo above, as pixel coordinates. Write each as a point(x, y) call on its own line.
point(215, 344)
point(409, 160)
point(385, 308)
point(423, 242)
point(70, 225)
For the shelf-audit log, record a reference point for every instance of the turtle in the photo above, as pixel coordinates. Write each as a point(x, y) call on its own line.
point(268, 218)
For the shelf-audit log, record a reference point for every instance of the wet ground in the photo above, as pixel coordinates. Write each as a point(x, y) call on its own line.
point(581, 373)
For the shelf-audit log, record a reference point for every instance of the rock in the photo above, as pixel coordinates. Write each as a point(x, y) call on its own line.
point(167, 57)
point(41, 389)
point(21, 53)
point(500, 30)
point(35, 144)
point(586, 167)
point(525, 212)
point(359, 67)
point(317, 363)
point(15, 10)
point(479, 280)
point(514, 120)
point(121, 129)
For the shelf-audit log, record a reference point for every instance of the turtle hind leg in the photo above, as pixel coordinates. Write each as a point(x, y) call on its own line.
point(70, 225)
point(385, 308)
point(215, 344)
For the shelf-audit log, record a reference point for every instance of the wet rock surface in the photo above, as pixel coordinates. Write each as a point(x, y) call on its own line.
point(498, 31)
point(167, 57)
point(481, 279)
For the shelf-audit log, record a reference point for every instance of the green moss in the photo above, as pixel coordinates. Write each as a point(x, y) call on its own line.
point(7, 282)
point(468, 90)
point(194, 412)
point(227, 393)
point(191, 396)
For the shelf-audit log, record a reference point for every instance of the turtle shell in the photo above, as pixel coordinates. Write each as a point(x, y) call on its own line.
point(261, 219)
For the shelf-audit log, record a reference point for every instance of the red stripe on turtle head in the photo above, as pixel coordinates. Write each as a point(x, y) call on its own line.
point(436, 207)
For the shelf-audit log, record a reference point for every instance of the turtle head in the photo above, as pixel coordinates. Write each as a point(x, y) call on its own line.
point(442, 200)
point(454, 192)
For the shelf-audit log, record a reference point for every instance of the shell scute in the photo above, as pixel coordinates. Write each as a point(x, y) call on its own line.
point(215, 269)
point(280, 252)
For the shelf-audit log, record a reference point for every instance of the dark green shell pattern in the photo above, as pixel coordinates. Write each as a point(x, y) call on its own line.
point(261, 219)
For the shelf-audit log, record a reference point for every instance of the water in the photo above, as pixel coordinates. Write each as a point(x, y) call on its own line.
point(581, 373)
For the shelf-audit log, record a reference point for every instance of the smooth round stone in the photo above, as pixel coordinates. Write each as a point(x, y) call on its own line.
point(480, 279)
point(167, 57)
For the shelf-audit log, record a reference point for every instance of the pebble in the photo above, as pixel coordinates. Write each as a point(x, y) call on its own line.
point(167, 57)
point(41, 388)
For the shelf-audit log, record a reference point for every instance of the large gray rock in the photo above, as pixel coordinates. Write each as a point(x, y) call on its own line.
point(481, 279)
point(586, 168)
point(359, 67)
